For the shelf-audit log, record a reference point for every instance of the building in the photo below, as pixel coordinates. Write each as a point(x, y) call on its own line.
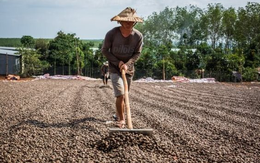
point(9, 61)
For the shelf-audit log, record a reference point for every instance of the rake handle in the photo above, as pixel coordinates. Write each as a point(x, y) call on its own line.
point(128, 112)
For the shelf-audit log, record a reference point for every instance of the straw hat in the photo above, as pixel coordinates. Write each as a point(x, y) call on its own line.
point(105, 63)
point(127, 14)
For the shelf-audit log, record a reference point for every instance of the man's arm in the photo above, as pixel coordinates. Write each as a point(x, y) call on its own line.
point(105, 49)
point(136, 54)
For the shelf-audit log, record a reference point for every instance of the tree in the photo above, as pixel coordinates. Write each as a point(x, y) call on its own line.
point(79, 62)
point(247, 24)
point(168, 67)
point(193, 60)
point(63, 50)
point(228, 22)
point(221, 36)
point(159, 28)
point(213, 22)
point(42, 46)
point(146, 62)
point(252, 56)
point(248, 33)
point(89, 57)
point(31, 64)
point(179, 59)
point(187, 20)
point(27, 41)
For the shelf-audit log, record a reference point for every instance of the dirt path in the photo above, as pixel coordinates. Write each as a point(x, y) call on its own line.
point(67, 121)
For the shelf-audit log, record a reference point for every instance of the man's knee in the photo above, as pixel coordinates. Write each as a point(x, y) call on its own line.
point(121, 97)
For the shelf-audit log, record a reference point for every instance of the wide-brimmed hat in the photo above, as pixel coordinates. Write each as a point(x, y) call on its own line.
point(127, 14)
point(105, 63)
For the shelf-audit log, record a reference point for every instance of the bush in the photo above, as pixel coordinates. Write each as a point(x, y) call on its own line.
point(249, 74)
point(32, 65)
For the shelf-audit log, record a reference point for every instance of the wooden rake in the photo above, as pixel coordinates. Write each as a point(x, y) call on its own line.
point(128, 114)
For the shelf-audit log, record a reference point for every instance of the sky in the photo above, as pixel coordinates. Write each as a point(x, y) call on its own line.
point(88, 19)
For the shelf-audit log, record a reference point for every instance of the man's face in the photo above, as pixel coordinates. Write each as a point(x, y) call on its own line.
point(127, 25)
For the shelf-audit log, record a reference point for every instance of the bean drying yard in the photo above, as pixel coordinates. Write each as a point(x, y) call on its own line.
point(69, 120)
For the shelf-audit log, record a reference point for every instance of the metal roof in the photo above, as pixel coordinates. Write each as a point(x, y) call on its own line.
point(9, 51)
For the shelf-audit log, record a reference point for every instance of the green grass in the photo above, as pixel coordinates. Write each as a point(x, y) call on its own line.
point(10, 42)
point(15, 42)
point(96, 42)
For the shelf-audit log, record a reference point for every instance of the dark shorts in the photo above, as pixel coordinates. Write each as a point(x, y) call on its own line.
point(106, 76)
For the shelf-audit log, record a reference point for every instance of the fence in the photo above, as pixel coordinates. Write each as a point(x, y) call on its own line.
point(144, 73)
point(64, 70)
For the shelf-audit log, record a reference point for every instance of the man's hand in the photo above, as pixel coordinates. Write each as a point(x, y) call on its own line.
point(122, 65)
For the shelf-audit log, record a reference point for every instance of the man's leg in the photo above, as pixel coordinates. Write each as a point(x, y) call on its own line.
point(103, 79)
point(118, 87)
point(120, 107)
point(106, 80)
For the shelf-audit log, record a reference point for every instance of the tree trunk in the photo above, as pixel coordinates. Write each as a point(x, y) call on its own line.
point(163, 70)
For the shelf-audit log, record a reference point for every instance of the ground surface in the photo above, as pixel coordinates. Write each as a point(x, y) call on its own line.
point(69, 121)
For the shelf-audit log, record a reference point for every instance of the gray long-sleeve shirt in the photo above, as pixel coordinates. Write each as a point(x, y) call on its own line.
point(118, 48)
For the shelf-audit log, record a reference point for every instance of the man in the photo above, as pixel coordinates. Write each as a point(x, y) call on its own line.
point(104, 72)
point(122, 47)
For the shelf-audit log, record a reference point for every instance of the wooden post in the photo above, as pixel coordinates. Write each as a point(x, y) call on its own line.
point(6, 70)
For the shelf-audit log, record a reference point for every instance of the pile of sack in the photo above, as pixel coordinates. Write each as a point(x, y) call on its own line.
point(13, 77)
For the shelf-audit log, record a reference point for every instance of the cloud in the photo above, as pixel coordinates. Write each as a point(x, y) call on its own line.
point(86, 18)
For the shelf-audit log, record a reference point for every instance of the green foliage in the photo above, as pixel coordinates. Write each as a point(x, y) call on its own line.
point(187, 21)
point(94, 43)
point(213, 21)
point(178, 59)
point(250, 74)
point(252, 55)
point(63, 50)
point(193, 60)
point(170, 69)
point(235, 62)
point(42, 46)
point(226, 40)
point(32, 65)
point(216, 61)
point(10, 42)
point(146, 62)
point(216, 39)
point(93, 58)
point(159, 28)
point(228, 23)
point(98, 58)
point(27, 41)
point(247, 24)
point(79, 62)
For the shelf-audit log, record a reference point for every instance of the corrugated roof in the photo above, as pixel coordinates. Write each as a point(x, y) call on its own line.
point(9, 51)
